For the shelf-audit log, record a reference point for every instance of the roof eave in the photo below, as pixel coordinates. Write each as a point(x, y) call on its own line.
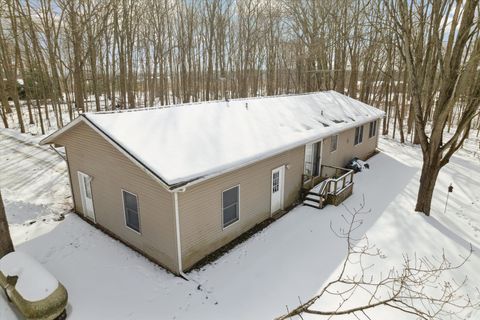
point(201, 178)
point(188, 182)
point(83, 118)
point(50, 138)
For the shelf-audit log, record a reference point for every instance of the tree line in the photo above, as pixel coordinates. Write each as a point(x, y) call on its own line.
point(417, 60)
point(84, 55)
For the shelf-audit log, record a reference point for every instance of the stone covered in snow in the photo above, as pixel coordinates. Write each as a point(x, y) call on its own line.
point(34, 282)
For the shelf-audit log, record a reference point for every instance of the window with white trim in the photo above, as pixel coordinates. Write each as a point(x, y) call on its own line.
point(372, 129)
point(333, 143)
point(130, 207)
point(358, 135)
point(230, 205)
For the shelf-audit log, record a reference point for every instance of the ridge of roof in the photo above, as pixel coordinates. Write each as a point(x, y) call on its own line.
point(157, 106)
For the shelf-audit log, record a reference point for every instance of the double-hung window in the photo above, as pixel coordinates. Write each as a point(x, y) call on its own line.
point(333, 143)
point(373, 129)
point(130, 207)
point(230, 205)
point(358, 135)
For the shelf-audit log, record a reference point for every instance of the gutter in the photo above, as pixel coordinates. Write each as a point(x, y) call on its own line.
point(232, 167)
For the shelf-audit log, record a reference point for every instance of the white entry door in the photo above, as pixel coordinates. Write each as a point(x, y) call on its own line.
point(86, 193)
point(277, 186)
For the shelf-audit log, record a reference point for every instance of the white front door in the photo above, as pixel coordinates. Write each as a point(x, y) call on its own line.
point(278, 179)
point(86, 193)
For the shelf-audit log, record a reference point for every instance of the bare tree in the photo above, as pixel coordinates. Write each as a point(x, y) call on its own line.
point(418, 287)
point(439, 76)
point(10, 69)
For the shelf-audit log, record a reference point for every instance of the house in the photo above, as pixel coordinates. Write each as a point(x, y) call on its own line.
point(177, 183)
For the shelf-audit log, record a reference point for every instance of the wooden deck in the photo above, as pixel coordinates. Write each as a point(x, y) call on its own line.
point(318, 191)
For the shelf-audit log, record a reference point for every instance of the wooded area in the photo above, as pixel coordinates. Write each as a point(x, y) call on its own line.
point(417, 60)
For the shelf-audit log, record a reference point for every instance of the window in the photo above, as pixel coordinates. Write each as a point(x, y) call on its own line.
point(276, 181)
point(373, 129)
point(358, 135)
point(333, 143)
point(88, 187)
point(230, 202)
point(130, 207)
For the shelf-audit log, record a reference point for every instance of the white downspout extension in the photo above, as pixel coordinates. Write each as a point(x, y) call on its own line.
point(177, 229)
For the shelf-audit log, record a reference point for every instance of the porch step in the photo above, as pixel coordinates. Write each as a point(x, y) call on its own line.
point(313, 196)
point(310, 203)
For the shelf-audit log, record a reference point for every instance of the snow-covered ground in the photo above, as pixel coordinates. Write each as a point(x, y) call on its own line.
point(290, 260)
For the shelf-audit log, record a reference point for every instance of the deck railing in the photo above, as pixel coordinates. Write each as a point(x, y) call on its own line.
point(335, 188)
point(310, 181)
point(336, 185)
point(342, 175)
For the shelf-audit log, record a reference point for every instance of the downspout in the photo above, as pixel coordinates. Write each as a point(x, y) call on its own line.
point(177, 231)
point(321, 156)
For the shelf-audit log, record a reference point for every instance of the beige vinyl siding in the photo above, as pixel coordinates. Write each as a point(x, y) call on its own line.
point(88, 152)
point(346, 150)
point(200, 206)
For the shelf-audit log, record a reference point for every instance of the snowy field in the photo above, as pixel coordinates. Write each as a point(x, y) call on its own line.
point(290, 260)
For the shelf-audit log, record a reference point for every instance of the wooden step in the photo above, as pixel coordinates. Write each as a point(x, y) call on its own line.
point(311, 203)
point(313, 197)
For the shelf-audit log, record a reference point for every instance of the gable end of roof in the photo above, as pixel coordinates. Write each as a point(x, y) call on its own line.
point(82, 118)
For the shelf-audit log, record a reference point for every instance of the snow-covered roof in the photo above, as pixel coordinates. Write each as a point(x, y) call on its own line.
point(196, 141)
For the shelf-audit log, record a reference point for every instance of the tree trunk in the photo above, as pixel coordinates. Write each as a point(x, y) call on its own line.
point(39, 109)
point(428, 178)
point(3, 114)
point(4, 101)
point(6, 245)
